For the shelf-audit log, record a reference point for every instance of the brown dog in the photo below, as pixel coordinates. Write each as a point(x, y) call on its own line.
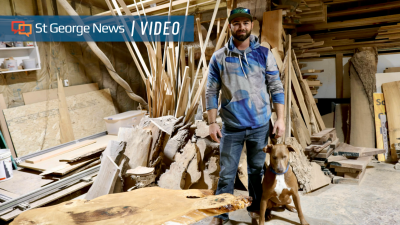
point(279, 184)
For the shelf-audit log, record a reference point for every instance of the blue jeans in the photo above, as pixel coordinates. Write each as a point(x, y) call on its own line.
point(231, 147)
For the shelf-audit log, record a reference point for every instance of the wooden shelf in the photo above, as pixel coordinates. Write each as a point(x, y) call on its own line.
point(16, 48)
point(16, 71)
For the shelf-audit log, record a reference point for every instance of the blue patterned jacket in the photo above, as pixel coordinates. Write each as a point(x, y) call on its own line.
point(244, 80)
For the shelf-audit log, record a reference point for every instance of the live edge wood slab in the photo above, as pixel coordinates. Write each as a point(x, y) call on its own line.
point(152, 205)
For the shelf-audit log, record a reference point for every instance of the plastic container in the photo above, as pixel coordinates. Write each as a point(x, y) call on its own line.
point(126, 119)
point(10, 64)
point(6, 170)
point(28, 43)
point(18, 43)
point(2, 44)
point(29, 63)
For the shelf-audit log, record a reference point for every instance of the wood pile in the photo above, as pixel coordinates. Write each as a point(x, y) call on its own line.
point(306, 47)
point(301, 12)
point(323, 144)
point(311, 79)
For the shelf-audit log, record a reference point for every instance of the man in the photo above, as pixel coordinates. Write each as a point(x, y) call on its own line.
point(244, 71)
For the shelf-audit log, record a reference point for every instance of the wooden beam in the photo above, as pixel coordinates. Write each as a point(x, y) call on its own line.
point(334, 2)
point(339, 75)
point(366, 9)
point(350, 23)
point(288, 88)
point(66, 131)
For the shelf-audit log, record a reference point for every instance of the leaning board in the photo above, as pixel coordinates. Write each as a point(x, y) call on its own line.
point(36, 127)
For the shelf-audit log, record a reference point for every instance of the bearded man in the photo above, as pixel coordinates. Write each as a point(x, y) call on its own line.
point(247, 76)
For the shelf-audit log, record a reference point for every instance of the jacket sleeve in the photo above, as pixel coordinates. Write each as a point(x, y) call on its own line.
point(213, 84)
point(274, 82)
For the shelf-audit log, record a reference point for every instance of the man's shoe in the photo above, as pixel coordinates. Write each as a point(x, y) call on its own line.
point(254, 215)
point(217, 221)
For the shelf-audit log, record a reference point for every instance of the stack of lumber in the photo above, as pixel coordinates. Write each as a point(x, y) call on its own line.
point(301, 12)
point(69, 160)
point(311, 79)
point(306, 47)
point(389, 32)
point(323, 144)
point(351, 162)
point(313, 11)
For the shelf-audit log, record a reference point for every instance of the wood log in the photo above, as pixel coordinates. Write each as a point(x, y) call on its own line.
point(138, 143)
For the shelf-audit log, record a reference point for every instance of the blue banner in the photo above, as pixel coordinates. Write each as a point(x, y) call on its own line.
point(97, 28)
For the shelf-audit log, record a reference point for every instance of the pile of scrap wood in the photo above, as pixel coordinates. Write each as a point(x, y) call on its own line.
point(322, 146)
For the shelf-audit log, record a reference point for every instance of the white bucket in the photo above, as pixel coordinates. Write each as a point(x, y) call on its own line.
point(29, 63)
point(10, 64)
point(6, 170)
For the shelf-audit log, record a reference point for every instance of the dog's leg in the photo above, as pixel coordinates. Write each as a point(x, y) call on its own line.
point(263, 208)
point(296, 200)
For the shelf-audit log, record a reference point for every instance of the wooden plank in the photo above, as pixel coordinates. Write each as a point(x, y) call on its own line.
point(105, 181)
point(24, 182)
point(346, 170)
point(341, 161)
point(314, 83)
point(66, 132)
point(339, 75)
point(311, 77)
point(4, 129)
point(300, 98)
point(138, 143)
point(365, 9)
point(59, 151)
point(392, 70)
point(312, 71)
point(392, 102)
point(349, 23)
point(51, 94)
point(272, 29)
point(343, 180)
point(53, 162)
point(355, 152)
point(352, 34)
point(36, 126)
point(323, 135)
point(288, 82)
point(181, 105)
point(380, 126)
point(68, 167)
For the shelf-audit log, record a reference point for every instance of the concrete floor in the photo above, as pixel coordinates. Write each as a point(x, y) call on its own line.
point(375, 201)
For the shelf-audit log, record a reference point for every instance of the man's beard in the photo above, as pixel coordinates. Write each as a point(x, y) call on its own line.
point(241, 37)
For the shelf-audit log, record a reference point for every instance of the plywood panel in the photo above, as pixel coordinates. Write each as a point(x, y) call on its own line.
point(4, 129)
point(35, 127)
point(392, 101)
point(51, 94)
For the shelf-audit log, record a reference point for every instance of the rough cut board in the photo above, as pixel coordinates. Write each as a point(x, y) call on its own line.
point(105, 180)
point(343, 180)
point(151, 205)
point(382, 78)
point(24, 182)
point(341, 161)
point(392, 101)
point(51, 94)
point(272, 29)
point(51, 163)
point(36, 127)
point(351, 151)
point(324, 134)
point(59, 151)
point(381, 126)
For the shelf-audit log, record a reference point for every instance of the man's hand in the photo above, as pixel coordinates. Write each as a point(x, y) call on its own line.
point(214, 131)
point(279, 128)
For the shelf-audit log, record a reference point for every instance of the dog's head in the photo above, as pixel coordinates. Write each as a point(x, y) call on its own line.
point(279, 156)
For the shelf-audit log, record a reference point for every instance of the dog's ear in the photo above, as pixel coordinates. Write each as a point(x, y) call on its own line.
point(268, 148)
point(292, 149)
